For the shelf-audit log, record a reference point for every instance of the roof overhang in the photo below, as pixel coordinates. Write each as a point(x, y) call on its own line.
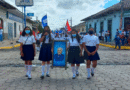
point(6, 5)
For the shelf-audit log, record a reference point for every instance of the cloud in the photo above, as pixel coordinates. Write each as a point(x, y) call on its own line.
point(58, 11)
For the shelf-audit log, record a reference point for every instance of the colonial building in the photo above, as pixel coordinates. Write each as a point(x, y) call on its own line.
point(80, 27)
point(11, 20)
point(109, 19)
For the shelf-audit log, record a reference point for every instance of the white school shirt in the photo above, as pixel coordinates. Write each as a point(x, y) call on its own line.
point(28, 41)
point(38, 36)
point(47, 38)
point(90, 40)
point(1, 31)
point(74, 42)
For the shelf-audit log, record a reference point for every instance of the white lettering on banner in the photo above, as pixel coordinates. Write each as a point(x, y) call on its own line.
point(45, 21)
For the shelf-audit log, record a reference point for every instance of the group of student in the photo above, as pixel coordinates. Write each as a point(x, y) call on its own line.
point(76, 45)
point(122, 38)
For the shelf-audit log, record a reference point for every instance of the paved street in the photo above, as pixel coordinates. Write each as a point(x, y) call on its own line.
point(112, 73)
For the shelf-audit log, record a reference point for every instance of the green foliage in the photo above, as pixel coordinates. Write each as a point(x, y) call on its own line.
point(40, 28)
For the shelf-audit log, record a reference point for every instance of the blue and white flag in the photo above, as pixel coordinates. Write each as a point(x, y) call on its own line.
point(60, 31)
point(44, 21)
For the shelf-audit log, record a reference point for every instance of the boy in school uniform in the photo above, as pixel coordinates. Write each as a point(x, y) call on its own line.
point(91, 45)
point(27, 48)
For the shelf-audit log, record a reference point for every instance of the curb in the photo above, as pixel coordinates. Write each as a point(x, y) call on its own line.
point(110, 46)
point(10, 47)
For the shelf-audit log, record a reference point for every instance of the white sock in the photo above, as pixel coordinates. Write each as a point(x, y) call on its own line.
point(26, 67)
point(73, 70)
point(37, 48)
point(29, 70)
point(77, 67)
point(92, 70)
point(89, 71)
point(48, 67)
point(43, 68)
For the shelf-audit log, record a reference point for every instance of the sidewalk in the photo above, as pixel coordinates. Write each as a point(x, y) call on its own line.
point(7, 43)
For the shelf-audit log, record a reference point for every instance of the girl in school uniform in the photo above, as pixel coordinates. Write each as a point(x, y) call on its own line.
point(45, 51)
point(74, 52)
point(27, 49)
point(91, 45)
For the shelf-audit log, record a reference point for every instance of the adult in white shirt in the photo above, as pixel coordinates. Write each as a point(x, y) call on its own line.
point(91, 45)
point(27, 49)
point(1, 34)
point(46, 50)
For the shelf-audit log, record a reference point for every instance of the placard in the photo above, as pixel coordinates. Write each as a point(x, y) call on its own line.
point(59, 54)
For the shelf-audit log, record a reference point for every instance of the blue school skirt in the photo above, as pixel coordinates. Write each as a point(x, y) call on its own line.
point(74, 55)
point(45, 52)
point(28, 52)
point(91, 58)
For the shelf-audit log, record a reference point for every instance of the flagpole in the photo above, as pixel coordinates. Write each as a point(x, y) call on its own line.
point(47, 20)
point(71, 22)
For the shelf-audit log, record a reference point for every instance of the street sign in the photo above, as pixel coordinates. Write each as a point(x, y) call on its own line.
point(30, 14)
point(24, 2)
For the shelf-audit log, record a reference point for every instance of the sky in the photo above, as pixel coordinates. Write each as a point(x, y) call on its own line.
point(58, 11)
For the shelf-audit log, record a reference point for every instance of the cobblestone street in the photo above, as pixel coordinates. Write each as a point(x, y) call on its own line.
point(112, 73)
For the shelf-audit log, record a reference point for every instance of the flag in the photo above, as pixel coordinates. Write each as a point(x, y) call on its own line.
point(60, 31)
point(44, 21)
point(68, 26)
point(34, 34)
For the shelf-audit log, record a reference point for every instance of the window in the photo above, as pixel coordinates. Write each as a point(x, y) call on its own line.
point(90, 25)
point(109, 27)
point(101, 26)
point(82, 29)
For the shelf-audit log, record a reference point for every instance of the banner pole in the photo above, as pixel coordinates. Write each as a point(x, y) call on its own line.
point(24, 16)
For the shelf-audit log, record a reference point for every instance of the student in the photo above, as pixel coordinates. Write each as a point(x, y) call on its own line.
point(91, 45)
point(74, 52)
point(27, 49)
point(45, 51)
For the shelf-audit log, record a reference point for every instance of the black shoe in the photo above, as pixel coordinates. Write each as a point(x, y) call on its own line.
point(42, 77)
point(29, 78)
point(92, 74)
point(26, 75)
point(77, 74)
point(74, 77)
point(88, 77)
point(47, 75)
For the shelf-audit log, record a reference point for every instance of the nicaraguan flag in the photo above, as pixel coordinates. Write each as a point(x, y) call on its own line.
point(44, 21)
point(60, 31)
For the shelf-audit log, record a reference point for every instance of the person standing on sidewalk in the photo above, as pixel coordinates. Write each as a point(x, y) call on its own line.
point(118, 42)
point(91, 45)
point(46, 50)
point(106, 34)
point(75, 52)
point(27, 48)
point(1, 34)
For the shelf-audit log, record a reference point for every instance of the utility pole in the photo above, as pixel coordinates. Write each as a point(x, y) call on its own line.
point(122, 11)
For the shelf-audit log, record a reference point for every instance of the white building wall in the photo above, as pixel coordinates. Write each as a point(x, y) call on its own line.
point(6, 21)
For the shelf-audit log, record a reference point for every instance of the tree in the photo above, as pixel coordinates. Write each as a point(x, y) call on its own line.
point(40, 28)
